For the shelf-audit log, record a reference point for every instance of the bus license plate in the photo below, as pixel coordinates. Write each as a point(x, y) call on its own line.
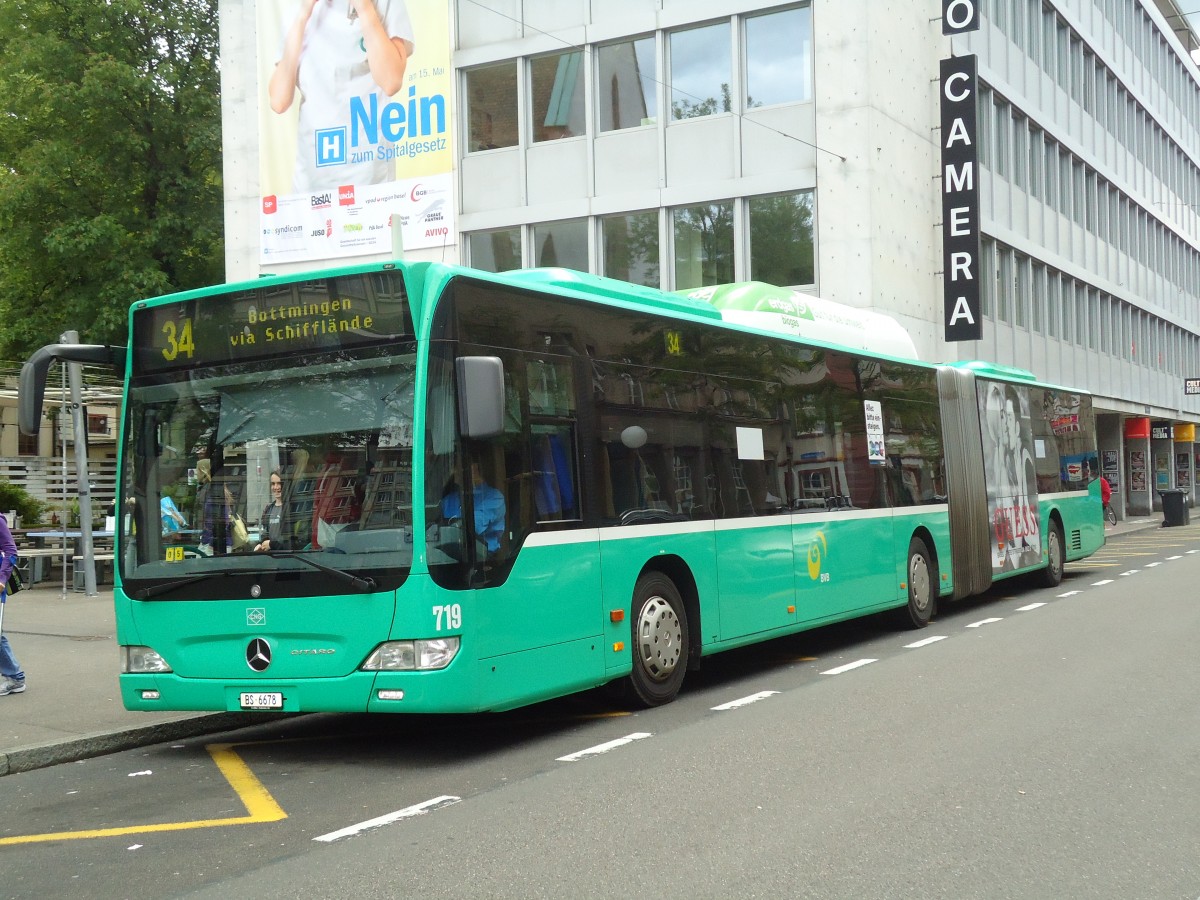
point(262, 701)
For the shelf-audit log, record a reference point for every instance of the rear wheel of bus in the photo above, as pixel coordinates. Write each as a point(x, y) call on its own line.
point(1052, 575)
point(922, 599)
point(659, 632)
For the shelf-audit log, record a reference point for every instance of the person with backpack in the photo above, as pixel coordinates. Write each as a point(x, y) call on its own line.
point(12, 679)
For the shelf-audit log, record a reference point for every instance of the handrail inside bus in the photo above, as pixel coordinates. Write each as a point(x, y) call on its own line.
point(31, 389)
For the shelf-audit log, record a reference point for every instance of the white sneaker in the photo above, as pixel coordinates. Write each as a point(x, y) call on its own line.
point(11, 686)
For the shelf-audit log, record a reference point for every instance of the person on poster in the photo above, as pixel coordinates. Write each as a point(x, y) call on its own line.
point(1011, 471)
point(334, 50)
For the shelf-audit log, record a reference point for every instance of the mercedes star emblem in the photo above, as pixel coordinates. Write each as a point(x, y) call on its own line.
point(258, 655)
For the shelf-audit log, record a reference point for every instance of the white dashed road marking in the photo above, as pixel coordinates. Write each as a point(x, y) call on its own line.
point(926, 642)
point(848, 666)
point(604, 748)
point(1029, 607)
point(745, 701)
point(407, 813)
point(983, 622)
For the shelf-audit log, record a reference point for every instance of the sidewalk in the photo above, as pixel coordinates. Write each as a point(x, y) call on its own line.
point(72, 708)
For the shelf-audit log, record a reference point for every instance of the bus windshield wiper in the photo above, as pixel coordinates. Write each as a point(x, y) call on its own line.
point(359, 584)
point(168, 586)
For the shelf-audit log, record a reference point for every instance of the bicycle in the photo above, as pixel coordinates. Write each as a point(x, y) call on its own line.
point(1110, 514)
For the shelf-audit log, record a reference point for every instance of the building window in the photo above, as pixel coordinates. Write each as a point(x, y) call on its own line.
point(557, 85)
point(631, 247)
point(492, 106)
point(779, 58)
point(781, 239)
point(97, 424)
point(561, 244)
point(27, 444)
point(626, 86)
point(703, 244)
point(701, 71)
point(495, 251)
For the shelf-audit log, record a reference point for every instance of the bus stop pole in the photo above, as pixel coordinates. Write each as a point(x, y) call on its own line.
point(82, 476)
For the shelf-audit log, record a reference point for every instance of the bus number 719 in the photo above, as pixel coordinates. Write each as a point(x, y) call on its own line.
point(453, 614)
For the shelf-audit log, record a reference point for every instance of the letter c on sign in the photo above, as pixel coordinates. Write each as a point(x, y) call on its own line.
point(948, 90)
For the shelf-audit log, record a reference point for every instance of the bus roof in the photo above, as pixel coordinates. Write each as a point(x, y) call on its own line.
point(611, 289)
point(994, 370)
point(752, 304)
point(786, 311)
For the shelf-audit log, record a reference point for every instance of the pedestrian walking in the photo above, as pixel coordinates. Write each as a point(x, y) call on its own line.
point(12, 679)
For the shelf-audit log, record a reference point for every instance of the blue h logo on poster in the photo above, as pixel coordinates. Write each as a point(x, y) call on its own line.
point(331, 146)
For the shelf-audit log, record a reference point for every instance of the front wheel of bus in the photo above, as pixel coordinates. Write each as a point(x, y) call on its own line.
point(1052, 575)
point(922, 599)
point(660, 640)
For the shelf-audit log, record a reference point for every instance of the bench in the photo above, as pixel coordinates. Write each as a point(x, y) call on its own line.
point(78, 572)
point(35, 571)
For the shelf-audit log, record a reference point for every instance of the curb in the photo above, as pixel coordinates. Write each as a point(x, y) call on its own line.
point(40, 756)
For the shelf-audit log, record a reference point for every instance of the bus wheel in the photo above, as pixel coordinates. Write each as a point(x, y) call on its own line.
point(922, 600)
point(660, 640)
point(1052, 575)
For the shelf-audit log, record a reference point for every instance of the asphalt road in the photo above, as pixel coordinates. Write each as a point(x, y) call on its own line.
point(1030, 743)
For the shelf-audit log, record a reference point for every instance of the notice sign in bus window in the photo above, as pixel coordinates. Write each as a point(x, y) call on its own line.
point(304, 316)
point(873, 413)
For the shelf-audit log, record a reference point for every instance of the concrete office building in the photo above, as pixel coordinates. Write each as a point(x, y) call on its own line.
point(680, 143)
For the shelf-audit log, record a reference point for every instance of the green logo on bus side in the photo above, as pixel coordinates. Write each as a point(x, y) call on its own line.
point(817, 551)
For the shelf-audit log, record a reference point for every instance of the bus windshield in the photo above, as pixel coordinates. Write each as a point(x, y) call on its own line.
point(265, 469)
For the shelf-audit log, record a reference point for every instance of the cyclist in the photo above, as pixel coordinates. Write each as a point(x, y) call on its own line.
point(1105, 495)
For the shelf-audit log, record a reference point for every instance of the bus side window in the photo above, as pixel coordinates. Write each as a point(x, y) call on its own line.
point(554, 485)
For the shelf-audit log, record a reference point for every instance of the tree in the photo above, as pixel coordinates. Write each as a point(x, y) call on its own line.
point(110, 162)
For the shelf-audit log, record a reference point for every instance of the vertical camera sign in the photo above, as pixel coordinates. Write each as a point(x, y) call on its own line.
point(960, 200)
point(960, 185)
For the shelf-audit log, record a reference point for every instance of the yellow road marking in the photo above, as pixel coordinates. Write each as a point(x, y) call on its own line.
point(260, 806)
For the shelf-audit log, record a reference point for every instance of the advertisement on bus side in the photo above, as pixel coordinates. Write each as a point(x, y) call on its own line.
point(355, 127)
point(1010, 475)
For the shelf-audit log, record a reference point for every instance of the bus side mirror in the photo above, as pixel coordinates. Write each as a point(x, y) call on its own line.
point(480, 396)
point(31, 388)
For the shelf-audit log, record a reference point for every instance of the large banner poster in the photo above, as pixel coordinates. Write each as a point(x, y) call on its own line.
point(1010, 475)
point(355, 123)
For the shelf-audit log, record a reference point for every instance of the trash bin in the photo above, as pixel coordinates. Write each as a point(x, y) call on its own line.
point(1175, 508)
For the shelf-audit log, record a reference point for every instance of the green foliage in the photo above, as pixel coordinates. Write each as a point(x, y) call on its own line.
point(683, 108)
point(110, 162)
point(15, 497)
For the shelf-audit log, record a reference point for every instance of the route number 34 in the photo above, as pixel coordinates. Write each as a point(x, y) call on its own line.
point(451, 614)
point(178, 340)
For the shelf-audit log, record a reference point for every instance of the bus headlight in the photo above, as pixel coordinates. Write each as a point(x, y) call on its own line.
point(136, 659)
point(408, 656)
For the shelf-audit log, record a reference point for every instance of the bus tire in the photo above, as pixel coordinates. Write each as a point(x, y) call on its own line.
point(922, 596)
point(1052, 575)
point(659, 638)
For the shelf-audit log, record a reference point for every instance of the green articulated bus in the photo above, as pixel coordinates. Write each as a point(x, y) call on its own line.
point(411, 487)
